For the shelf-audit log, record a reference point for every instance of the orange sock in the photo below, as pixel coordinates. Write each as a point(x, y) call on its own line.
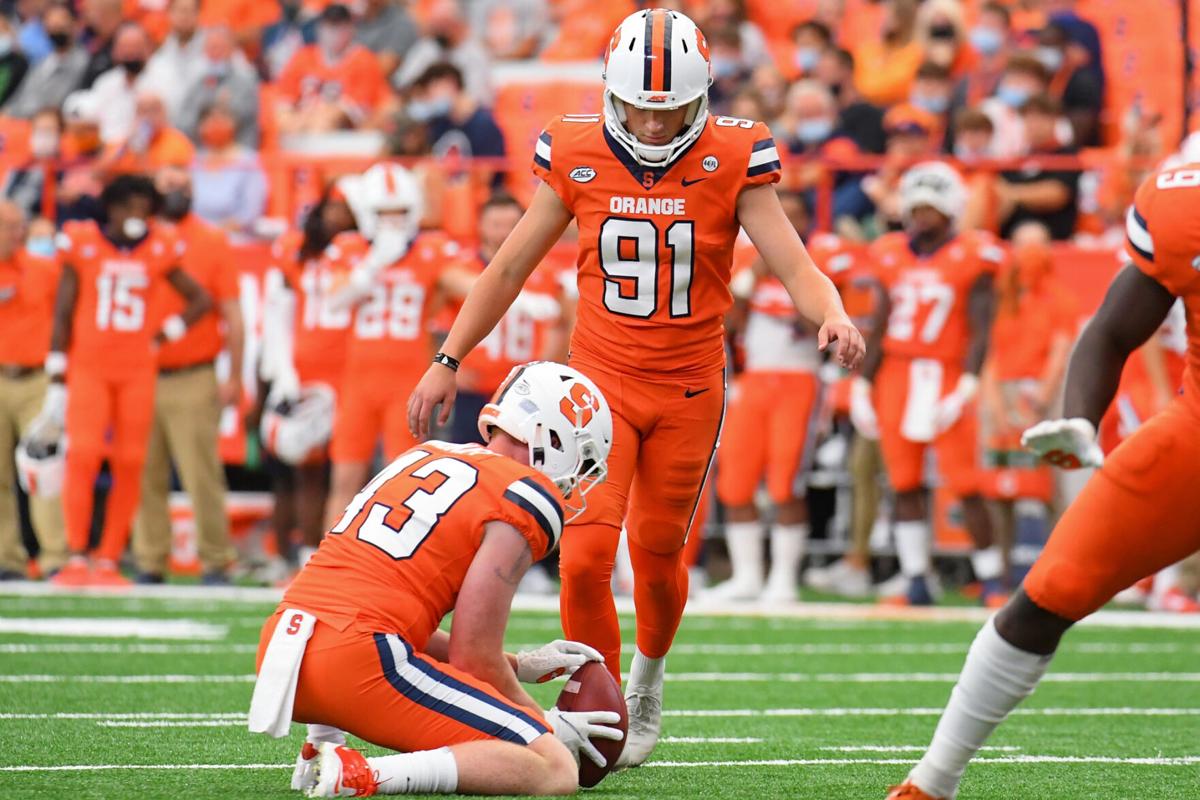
point(589, 614)
point(123, 501)
point(660, 590)
point(79, 489)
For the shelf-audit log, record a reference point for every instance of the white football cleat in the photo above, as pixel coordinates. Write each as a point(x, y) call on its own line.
point(342, 772)
point(780, 588)
point(840, 578)
point(644, 703)
point(304, 776)
point(732, 591)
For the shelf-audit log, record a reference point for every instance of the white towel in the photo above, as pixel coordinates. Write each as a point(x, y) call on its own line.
point(924, 392)
point(275, 689)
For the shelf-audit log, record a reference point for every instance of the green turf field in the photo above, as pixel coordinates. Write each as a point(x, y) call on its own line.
point(756, 707)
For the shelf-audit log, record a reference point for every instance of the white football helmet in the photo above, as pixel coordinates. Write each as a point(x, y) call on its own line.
point(41, 459)
point(657, 59)
point(296, 431)
point(564, 419)
point(385, 187)
point(935, 184)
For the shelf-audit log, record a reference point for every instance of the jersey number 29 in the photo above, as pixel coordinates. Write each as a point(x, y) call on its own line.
point(629, 250)
point(425, 508)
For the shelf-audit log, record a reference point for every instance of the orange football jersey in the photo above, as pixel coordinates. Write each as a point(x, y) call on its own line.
point(207, 258)
point(116, 309)
point(1164, 241)
point(320, 331)
point(396, 559)
point(655, 245)
point(391, 326)
point(517, 339)
point(929, 294)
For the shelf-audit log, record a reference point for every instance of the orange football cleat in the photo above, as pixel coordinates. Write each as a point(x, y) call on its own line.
point(104, 574)
point(343, 772)
point(74, 573)
point(909, 791)
point(1175, 601)
point(994, 599)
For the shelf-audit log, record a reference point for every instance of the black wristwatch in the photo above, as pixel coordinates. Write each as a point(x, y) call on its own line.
point(446, 361)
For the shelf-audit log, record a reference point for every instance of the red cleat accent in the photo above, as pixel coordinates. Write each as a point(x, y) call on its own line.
point(1175, 601)
point(106, 575)
point(356, 773)
point(995, 599)
point(909, 791)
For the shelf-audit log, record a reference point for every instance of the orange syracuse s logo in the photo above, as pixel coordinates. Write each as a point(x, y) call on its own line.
point(580, 405)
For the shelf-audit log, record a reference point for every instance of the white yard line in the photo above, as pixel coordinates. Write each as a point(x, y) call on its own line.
point(165, 723)
point(926, 712)
point(709, 740)
point(1180, 761)
point(812, 612)
point(121, 648)
point(904, 748)
point(680, 677)
point(114, 627)
point(114, 715)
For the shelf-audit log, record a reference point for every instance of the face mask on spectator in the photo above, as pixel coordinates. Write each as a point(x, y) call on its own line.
point(133, 66)
point(807, 58)
point(943, 32)
point(134, 228)
point(987, 41)
point(814, 131)
point(216, 132)
point(930, 103)
point(334, 38)
point(176, 204)
point(6, 45)
point(60, 39)
point(425, 110)
point(964, 153)
point(1051, 58)
point(723, 68)
point(41, 246)
point(216, 69)
point(43, 144)
point(1012, 96)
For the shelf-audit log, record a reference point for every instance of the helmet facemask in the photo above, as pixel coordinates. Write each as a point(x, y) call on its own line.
point(648, 155)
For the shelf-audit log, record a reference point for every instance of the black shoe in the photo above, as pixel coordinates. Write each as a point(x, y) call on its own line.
point(11, 575)
point(149, 579)
point(214, 578)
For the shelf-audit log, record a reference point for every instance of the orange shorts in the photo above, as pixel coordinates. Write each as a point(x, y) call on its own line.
point(1139, 513)
point(766, 430)
point(376, 687)
point(372, 405)
point(117, 402)
point(957, 448)
point(665, 435)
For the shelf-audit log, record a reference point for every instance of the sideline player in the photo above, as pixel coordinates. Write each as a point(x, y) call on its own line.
point(932, 329)
point(659, 189)
point(772, 403)
point(1140, 511)
point(355, 645)
point(107, 313)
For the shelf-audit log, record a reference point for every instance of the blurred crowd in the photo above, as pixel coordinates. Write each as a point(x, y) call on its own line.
point(202, 96)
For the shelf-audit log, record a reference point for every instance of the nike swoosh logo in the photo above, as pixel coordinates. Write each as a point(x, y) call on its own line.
point(689, 392)
point(687, 183)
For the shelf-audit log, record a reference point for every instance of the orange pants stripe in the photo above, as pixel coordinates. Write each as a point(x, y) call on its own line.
point(378, 688)
point(1138, 514)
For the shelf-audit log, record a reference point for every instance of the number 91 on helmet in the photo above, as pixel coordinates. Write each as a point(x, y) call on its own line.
point(564, 419)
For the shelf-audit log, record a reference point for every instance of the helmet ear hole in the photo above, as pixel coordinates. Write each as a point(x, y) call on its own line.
point(555, 441)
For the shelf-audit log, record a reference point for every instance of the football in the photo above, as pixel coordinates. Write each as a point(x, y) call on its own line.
point(592, 688)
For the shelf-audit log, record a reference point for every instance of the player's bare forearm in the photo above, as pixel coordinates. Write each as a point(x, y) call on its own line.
point(1133, 309)
point(879, 320)
point(497, 287)
point(64, 309)
point(235, 335)
point(981, 309)
point(199, 301)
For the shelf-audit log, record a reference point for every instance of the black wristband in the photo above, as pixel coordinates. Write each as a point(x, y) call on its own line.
point(446, 361)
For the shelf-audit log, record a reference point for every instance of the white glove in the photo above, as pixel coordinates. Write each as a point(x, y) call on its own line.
point(862, 411)
point(1066, 443)
point(54, 406)
point(950, 408)
point(576, 728)
point(550, 661)
point(389, 246)
point(285, 388)
point(537, 305)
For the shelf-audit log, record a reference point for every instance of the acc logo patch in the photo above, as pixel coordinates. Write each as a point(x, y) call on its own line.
point(582, 174)
point(710, 163)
